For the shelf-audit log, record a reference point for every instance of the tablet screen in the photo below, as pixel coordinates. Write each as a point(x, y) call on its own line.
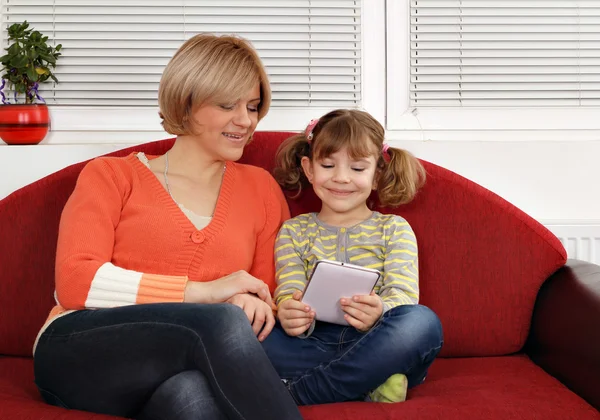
point(332, 280)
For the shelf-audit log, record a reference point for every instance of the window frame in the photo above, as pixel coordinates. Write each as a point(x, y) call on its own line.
point(126, 125)
point(408, 123)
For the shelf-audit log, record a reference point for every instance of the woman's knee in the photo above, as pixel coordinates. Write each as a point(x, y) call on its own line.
point(185, 385)
point(186, 395)
point(231, 320)
point(214, 318)
point(229, 329)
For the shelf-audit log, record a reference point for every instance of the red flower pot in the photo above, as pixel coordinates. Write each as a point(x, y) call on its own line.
point(24, 123)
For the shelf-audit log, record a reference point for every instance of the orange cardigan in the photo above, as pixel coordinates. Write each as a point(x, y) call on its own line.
point(123, 240)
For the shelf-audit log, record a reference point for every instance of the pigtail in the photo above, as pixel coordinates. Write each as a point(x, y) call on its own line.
point(400, 178)
point(288, 168)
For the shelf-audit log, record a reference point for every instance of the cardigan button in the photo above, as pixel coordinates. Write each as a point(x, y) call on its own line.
point(197, 237)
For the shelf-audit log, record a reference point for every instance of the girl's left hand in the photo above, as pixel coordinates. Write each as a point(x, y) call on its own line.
point(259, 313)
point(362, 311)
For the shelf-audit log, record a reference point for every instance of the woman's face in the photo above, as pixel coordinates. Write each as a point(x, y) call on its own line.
point(224, 129)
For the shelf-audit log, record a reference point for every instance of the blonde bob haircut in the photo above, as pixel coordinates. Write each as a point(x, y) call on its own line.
point(209, 69)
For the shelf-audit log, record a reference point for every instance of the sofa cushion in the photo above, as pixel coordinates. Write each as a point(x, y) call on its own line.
point(19, 398)
point(500, 388)
point(510, 387)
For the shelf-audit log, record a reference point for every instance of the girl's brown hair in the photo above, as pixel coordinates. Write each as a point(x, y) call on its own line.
point(209, 68)
point(399, 174)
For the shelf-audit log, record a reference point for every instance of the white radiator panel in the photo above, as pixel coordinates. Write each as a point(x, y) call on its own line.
point(581, 240)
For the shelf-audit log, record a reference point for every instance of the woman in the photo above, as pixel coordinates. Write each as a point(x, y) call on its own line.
point(162, 260)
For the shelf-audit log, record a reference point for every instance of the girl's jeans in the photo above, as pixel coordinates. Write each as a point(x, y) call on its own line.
point(338, 363)
point(163, 360)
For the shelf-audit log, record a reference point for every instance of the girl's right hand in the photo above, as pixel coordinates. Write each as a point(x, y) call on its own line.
point(222, 289)
point(295, 317)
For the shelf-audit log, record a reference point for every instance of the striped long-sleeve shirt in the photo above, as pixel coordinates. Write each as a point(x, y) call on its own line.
point(385, 242)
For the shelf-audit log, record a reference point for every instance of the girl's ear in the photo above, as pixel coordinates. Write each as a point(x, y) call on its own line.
point(307, 168)
point(376, 177)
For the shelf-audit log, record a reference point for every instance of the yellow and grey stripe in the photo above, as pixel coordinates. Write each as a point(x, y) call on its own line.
point(385, 242)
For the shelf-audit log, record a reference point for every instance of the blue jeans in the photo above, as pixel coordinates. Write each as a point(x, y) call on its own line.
point(338, 363)
point(160, 361)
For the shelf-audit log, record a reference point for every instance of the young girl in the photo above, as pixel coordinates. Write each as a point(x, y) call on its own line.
point(391, 340)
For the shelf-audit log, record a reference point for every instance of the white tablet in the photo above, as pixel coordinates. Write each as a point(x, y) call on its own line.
point(332, 280)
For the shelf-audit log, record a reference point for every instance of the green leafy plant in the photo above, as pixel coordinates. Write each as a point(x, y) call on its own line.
point(27, 63)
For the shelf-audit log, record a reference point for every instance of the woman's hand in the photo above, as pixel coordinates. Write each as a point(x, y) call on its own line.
point(222, 289)
point(259, 313)
point(362, 311)
point(295, 317)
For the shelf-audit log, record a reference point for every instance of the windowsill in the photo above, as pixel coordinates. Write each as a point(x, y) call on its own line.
point(126, 125)
point(146, 119)
point(496, 124)
point(71, 125)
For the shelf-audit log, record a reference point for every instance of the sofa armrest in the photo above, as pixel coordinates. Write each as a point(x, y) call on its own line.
point(565, 330)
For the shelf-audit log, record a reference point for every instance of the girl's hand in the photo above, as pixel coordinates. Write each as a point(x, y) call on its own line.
point(362, 311)
point(295, 316)
point(222, 289)
point(259, 313)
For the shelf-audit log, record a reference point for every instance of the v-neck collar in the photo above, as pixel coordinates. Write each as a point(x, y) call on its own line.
point(164, 198)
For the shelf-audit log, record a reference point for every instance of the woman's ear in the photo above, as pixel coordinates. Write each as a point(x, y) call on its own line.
point(307, 168)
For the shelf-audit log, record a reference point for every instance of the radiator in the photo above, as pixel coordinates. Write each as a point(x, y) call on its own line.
point(581, 240)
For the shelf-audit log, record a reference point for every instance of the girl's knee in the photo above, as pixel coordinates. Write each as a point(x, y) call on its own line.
point(427, 318)
point(417, 321)
point(432, 326)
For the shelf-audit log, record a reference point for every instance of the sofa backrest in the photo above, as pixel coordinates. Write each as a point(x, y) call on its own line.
point(481, 260)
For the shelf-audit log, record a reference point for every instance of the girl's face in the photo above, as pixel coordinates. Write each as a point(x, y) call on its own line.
point(224, 129)
point(342, 183)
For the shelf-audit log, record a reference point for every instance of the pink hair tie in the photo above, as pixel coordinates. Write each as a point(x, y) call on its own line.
point(384, 150)
point(309, 129)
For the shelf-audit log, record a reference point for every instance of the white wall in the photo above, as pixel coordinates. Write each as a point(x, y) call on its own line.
point(552, 181)
point(22, 165)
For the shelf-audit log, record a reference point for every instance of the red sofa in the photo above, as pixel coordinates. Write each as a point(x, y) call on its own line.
point(521, 324)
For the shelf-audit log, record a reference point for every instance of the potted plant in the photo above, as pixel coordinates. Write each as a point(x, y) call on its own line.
point(28, 61)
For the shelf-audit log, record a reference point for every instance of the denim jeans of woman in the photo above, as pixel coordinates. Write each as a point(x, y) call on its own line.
point(160, 361)
point(338, 363)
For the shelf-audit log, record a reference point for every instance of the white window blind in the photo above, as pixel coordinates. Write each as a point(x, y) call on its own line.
point(114, 51)
point(530, 53)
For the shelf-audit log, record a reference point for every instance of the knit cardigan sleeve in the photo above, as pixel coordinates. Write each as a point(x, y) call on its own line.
point(85, 276)
point(276, 211)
